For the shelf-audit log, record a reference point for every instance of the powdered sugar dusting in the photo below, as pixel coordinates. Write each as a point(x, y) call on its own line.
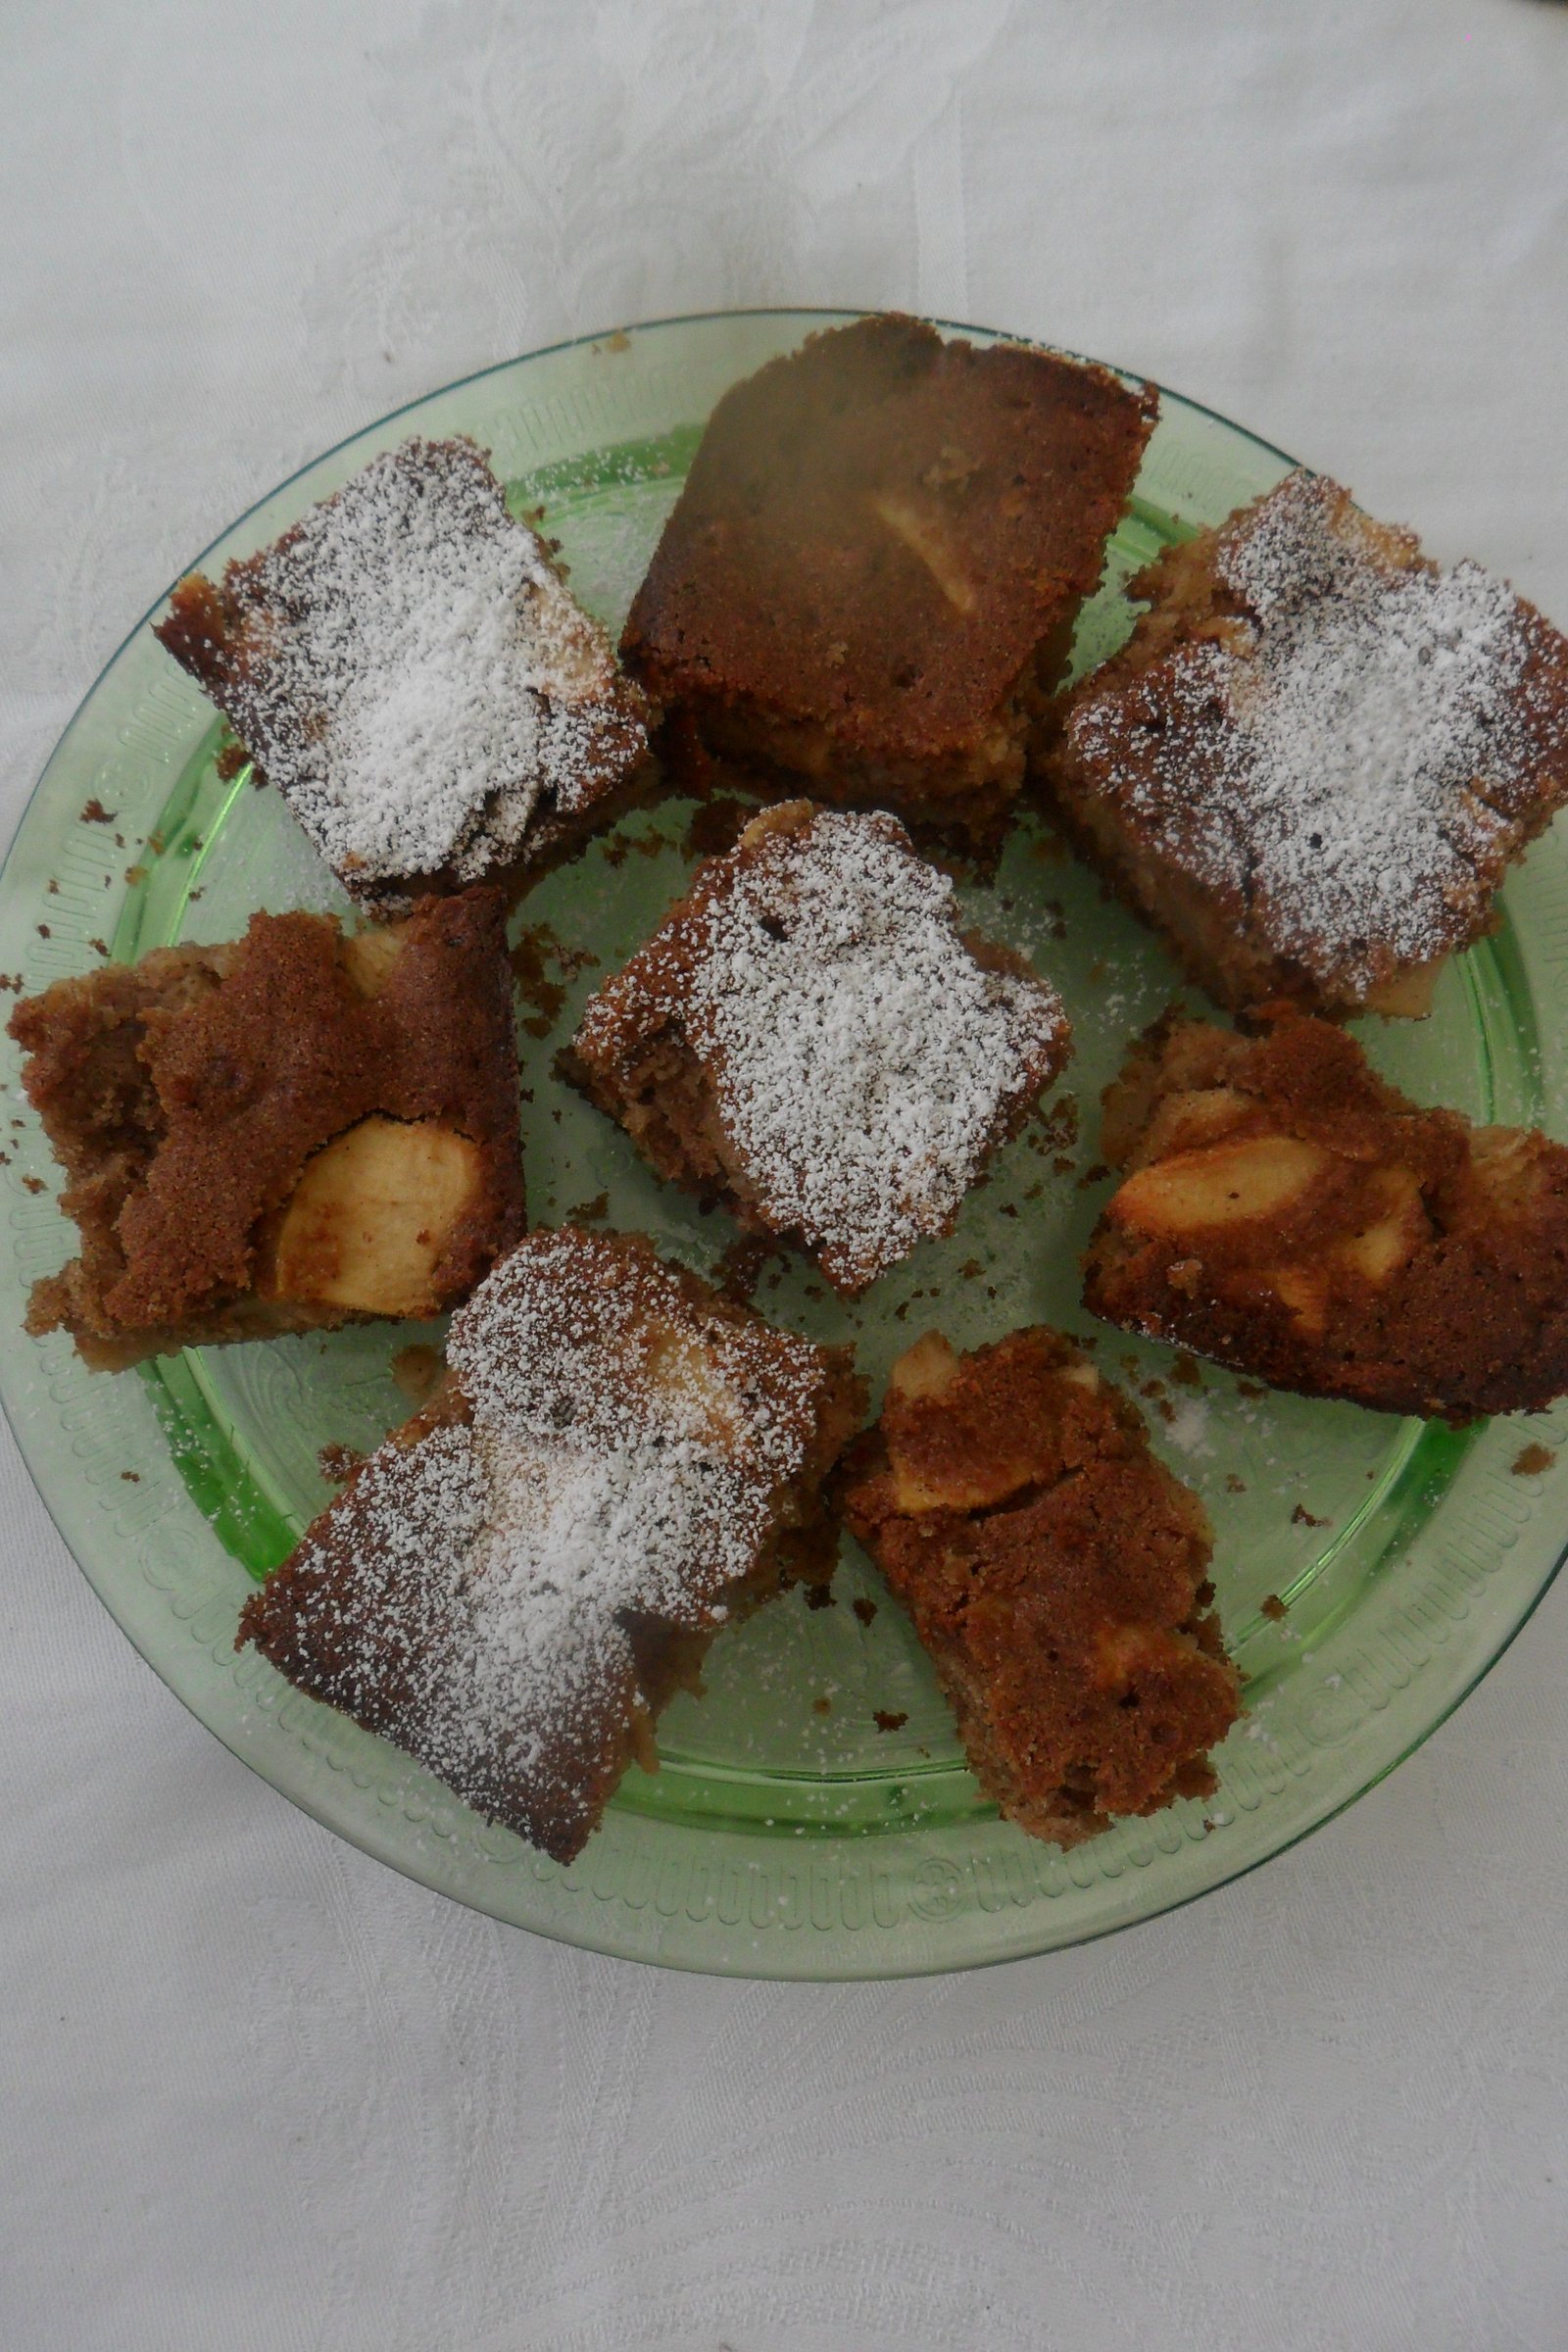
point(1351, 768)
point(864, 1060)
point(1187, 1425)
point(624, 1460)
point(417, 678)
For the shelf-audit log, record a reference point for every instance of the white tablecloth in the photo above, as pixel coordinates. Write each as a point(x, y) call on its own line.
point(256, 2090)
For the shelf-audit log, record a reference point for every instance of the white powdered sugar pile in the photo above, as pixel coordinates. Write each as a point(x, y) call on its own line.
point(1352, 769)
point(418, 677)
point(864, 1062)
point(624, 1456)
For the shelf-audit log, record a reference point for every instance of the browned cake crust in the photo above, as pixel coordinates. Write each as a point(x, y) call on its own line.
point(1287, 1213)
point(408, 668)
point(618, 1463)
point(1314, 760)
point(810, 1038)
point(876, 564)
point(277, 1134)
point(1057, 1575)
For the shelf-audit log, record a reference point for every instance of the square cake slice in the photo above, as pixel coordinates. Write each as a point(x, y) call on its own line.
point(811, 1038)
point(873, 572)
point(408, 667)
point(1313, 762)
point(1057, 1575)
point(618, 1463)
point(1287, 1212)
point(294, 1130)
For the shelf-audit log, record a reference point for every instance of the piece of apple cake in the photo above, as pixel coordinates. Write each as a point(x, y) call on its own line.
point(1057, 1572)
point(873, 572)
point(618, 1463)
point(1314, 760)
point(410, 670)
point(1284, 1212)
point(297, 1129)
point(811, 1038)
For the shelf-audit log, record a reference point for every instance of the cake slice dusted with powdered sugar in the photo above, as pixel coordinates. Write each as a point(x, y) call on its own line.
point(408, 666)
point(812, 1038)
point(1316, 756)
point(618, 1463)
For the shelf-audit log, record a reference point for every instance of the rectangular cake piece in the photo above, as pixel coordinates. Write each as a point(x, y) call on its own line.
point(873, 572)
point(408, 667)
point(1057, 1572)
point(298, 1129)
point(1316, 758)
point(1287, 1212)
point(810, 1038)
point(618, 1463)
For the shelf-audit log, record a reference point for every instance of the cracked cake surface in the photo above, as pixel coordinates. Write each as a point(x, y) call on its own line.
point(619, 1463)
point(1057, 1572)
point(279, 1133)
point(408, 666)
point(1287, 1212)
point(1318, 754)
point(876, 562)
point(810, 1037)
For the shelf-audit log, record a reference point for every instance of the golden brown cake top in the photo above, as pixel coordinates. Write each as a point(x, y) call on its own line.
point(1331, 733)
point(234, 1065)
point(407, 665)
point(1057, 1572)
point(879, 529)
point(864, 1055)
point(613, 1453)
point(1289, 1212)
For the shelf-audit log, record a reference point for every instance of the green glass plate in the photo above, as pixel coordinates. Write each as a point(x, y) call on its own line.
point(811, 1815)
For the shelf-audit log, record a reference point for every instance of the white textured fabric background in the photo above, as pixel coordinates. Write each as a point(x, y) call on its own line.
point(254, 2091)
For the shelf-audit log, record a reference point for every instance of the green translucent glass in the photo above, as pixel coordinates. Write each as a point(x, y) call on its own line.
point(785, 1834)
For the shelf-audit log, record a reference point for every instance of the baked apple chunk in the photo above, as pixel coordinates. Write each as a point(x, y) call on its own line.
point(366, 1224)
